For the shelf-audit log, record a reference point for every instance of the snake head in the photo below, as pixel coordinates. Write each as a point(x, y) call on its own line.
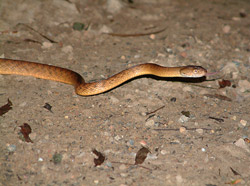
point(193, 71)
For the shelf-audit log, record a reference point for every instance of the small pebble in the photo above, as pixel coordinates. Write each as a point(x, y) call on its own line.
point(187, 89)
point(244, 86)
point(152, 156)
point(226, 29)
point(234, 118)
point(179, 179)
point(243, 122)
point(117, 137)
point(122, 167)
point(67, 49)
point(11, 148)
point(183, 129)
point(163, 152)
point(150, 123)
point(183, 119)
point(143, 143)
point(109, 164)
point(137, 56)
point(168, 50)
point(124, 175)
point(200, 131)
point(114, 6)
point(114, 100)
point(152, 36)
point(123, 57)
point(131, 142)
point(46, 45)
point(242, 144)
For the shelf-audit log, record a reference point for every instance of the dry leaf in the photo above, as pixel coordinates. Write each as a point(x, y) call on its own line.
point(26, 130)
point(224, 83)
point(100, 159)
point(141, 155)
point(5, 108)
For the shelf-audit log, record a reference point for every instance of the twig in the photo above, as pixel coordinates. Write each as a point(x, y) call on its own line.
point(137, 34)
point(44, 36)
point(148, 113)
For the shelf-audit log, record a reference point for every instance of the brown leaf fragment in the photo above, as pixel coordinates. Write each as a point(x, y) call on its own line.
point(235, 172)
point(48, 107)
point(26, 130)
point(224, 83)
point(141, 155)
point(5, 108)
point(100, 159)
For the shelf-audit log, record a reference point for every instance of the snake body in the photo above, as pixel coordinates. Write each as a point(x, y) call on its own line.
point(54, 73)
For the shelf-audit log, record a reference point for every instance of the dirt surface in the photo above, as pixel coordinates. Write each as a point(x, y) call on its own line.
point(196, 132)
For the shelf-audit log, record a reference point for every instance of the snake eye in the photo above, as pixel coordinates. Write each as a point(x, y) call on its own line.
point(195, 71)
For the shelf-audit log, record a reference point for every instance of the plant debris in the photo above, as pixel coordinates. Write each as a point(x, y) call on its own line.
point(42, 35)
point(234, 182)
point(235, 172)
point(100, 159)
point(141, 155)
point(216, 119)
point(218, 96)
point(224, 83)
point(26, 130)
point(57, 158)
point(48, 107)
point(148, 113)
point(5, 108)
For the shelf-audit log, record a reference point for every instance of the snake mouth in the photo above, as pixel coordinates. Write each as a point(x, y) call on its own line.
point(193, 71)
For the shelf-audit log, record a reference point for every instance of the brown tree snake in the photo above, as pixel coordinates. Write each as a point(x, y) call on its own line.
point(54, 73)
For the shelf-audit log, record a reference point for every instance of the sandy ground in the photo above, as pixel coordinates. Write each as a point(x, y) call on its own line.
point(196, 132)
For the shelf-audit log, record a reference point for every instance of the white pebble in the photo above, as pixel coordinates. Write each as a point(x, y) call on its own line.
point(46, 45)
point(179, 179)
point(117, 138)
point(243, 122)
point(200, 131)
point(244, 85)
point(183, 119)
point(67, 49)
point(226, 29)
point(242, 144)
point(150, 123)
point(163, 152)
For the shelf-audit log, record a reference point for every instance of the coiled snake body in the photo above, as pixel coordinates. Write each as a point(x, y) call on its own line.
point(43, 71)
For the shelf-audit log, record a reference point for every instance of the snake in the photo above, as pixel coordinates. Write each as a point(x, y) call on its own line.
point(63, 75)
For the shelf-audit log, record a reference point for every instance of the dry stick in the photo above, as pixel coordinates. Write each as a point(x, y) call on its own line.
point(138, 34)
point(44, 36)
point(155, 110)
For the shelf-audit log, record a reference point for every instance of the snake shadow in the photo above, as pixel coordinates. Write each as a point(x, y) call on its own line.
point(170, 79)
